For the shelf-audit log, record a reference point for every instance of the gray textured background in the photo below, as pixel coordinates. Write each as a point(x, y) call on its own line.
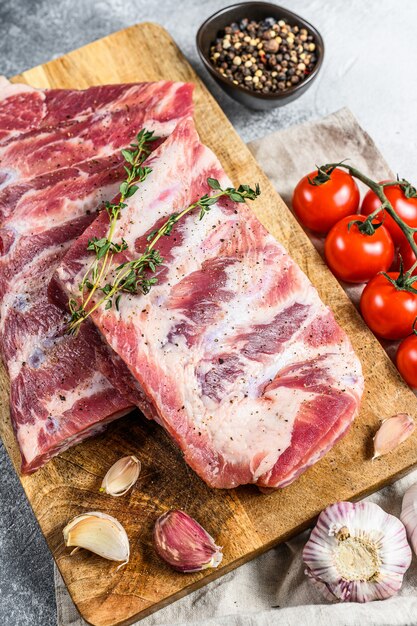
point(370, 66)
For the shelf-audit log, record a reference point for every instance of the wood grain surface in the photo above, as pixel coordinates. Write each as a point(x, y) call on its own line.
point(243, 521)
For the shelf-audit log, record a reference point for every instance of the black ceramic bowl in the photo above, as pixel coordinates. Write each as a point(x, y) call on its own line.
point(256, 11)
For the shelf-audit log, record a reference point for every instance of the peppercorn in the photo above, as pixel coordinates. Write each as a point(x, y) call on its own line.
point(266, 55)
point(271, 46)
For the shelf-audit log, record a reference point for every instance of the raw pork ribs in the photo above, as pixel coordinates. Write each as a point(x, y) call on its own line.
point(59, 159)
point(245, 367)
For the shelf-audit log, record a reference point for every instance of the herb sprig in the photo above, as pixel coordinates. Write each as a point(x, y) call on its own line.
point(103, 248)
point(134, 276)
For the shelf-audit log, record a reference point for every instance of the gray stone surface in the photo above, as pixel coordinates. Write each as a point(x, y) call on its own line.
point(370, 67)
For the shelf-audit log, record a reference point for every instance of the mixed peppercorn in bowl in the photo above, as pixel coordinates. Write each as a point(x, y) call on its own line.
point(262, 55)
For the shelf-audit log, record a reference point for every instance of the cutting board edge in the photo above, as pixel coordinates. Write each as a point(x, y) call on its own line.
point(17, 78)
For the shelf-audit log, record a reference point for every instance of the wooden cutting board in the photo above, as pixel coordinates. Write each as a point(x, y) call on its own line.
point(243, 521)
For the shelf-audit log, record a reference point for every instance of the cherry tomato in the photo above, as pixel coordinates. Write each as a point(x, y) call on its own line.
point(355, 257)
point(389, 312)
point(407, 360)
point(320, 207)
point(407, 255)
point(406, 208)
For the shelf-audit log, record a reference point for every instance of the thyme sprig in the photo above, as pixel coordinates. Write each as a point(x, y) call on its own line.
point(135, 276)
point(105, 247)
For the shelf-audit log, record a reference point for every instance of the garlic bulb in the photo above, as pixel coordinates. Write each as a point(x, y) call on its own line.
point(184, 544)
point(393, 431)
point(98, 533)
point(357, 553)
point(409, 515)
point(121, 476)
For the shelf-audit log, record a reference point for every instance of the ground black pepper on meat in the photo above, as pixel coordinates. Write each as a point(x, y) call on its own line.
point(266, 56)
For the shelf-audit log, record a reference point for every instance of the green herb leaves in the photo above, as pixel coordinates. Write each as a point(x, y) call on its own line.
point(213, 183)
point(104, 248)
point(242, 193)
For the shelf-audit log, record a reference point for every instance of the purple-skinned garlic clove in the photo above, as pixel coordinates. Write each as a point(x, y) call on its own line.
point(392, 432)
point(357, 553)
point(184, 544)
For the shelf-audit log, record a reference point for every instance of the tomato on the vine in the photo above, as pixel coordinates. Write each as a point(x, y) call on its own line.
point(406, 360)
point(407, 255)
point(405, 207)
point(389, 309)
point(319, 206)
point(356, 257)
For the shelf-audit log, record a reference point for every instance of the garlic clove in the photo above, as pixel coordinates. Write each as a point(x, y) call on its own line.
point(357, 553)
point(184, 544)
point(409, 515)
point(99, 533)
point(121, 476)
point(392, 432)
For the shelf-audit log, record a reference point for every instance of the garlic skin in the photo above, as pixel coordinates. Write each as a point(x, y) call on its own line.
point(357, 553)
point(184, 544)
point(99, 533)
point(409, 515)
point(121, 476)
point(392, 432)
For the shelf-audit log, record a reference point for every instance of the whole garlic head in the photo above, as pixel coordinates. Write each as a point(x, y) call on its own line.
point(357, 553)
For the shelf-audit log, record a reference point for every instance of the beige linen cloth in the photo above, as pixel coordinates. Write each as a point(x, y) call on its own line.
point(273, 589)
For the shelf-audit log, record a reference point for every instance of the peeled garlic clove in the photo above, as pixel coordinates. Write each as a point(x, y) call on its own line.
point(121, 476)
point(409, 515)
point(357, 553)
point(393, 431)
point(184, 544)
point(98, 533)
